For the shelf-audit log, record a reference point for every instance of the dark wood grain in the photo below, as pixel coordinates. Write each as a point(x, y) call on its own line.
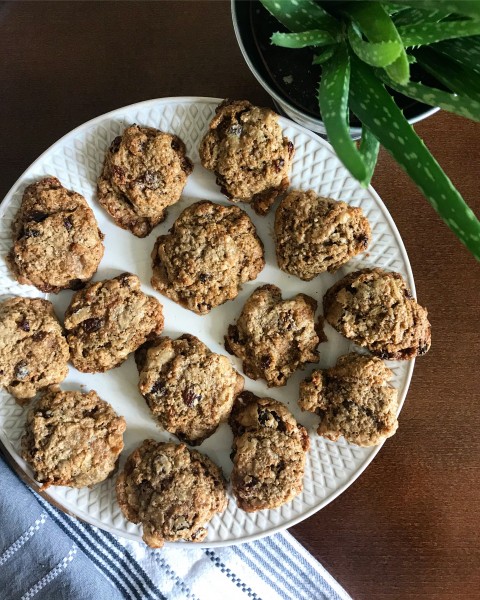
point(408, 528)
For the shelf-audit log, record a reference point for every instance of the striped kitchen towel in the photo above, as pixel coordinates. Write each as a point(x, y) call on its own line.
point(47, 555)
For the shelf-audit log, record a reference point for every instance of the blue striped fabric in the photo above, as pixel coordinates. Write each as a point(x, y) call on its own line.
point(47, 555)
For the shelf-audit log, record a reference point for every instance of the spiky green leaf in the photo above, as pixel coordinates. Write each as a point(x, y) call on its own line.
point(377, 26)
point(452, 75)
point(380, 54)
point(369, 147)
point(314, 37)
point(421, 34)
point(469, 8)
point(460, 105)
point(300, 15)
point(466, 51)
point(377, 110)
point(323, 55)
point(410, 16)
point(333, 103)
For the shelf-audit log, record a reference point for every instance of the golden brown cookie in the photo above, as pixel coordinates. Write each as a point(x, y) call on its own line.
point(172, 491)
point(275, 337)
point(144, 172)
point(269, 453)
point(72, 439)
point(375, 309)
point(353, 400)
point(246, 149)
point(56, 241)
point(33, 351)
point(315, 234)
point(108, 320)
point(189, 389)
point(210, 252)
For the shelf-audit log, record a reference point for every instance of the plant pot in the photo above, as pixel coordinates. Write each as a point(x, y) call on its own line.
point(288, 75)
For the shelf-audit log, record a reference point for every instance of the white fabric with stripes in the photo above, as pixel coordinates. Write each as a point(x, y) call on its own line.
point(273, 568)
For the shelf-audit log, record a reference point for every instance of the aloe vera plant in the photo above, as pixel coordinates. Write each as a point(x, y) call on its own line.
point(365, 49)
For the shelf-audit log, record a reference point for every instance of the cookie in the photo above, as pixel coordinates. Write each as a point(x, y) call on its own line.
point(108, 320)
point(353, 400)
point(172, 491)
point(57, 244)
point(144, 172)
point(375, 309)
point(72, 439)
point(251, 413)
point(210, 252)
point(315, 234)
point(247, 151)
point(275, 337)
point(269, 453)
point(189, 389)
point(33, 351)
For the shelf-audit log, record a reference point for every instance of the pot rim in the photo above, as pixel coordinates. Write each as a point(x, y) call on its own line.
point(292, 111)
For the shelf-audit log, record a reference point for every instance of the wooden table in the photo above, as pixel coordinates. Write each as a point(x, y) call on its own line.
point(408, 528)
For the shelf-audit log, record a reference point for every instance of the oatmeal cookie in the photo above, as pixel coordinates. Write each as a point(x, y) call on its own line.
point(248, 153)
point(275, 337)
point(144, 172)
point(172, 491)
point(33, 351)
point(374, 308)
point(352, 399)
point(210, 252)
point(251, 413)
point(108, 320)
point(269, 453)
point(189, 389)
point(315, 234)
point(72, 439)
point(57, 244)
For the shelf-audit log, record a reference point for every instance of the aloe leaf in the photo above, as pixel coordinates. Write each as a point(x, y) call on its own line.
point(448, 72)
point(300, 15)
point(324, 55)
point(333, 103)
point(380, 54)
point(469, 8)
point(369, 147)
point(314, 37)
point(393, 8)
point(421, 34)
point(410, 16)
point(374, 106)
point(465, 51)
point(377, 26)
point(460, 105)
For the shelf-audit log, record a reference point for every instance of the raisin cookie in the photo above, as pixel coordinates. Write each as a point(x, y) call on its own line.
point(189, 389)
point(352, 399)
point(172, 491)
point(210, 252)
point(108, 320)
point(269, 453)
point(315, 234)
point(72, 439)
point(246, 149)
point(57, 244)
point(275, 337)
point(374, 308)
point(144, 172)
point(33, 351)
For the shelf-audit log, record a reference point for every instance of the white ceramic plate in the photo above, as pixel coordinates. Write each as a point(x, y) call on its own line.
point(76, 160)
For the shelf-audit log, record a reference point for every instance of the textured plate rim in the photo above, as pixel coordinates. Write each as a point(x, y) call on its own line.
point(5, 444)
